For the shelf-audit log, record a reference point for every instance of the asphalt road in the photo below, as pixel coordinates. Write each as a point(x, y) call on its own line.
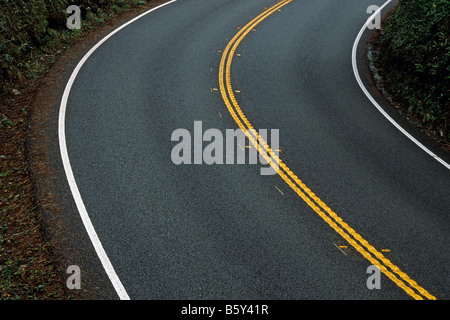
point(226, 231)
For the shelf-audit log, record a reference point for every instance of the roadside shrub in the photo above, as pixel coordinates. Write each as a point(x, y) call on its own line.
point(414, 58)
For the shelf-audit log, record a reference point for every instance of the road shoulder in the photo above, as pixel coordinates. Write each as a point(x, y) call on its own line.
point(60, 222)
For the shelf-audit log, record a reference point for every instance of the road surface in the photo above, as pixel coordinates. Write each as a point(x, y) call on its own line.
point(224, 231)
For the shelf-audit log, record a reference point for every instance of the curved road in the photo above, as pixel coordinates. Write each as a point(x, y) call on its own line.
point(226, 231)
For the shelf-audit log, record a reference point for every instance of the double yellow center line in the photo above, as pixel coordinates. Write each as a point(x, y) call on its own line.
point(374, 256)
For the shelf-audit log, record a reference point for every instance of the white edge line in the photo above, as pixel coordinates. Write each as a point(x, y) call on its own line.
point(358, 79)
point(120, 289)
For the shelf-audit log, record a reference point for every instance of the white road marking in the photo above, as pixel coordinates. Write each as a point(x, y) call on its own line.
point(355, 70)
point(117, 284)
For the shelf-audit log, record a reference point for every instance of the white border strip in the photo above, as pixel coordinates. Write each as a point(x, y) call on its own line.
point(355, 70)
point(68, 169)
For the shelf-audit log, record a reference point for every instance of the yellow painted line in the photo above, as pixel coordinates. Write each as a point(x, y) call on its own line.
point(328, 215)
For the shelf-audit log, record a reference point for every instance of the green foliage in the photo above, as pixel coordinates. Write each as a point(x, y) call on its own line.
point(415, 55)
